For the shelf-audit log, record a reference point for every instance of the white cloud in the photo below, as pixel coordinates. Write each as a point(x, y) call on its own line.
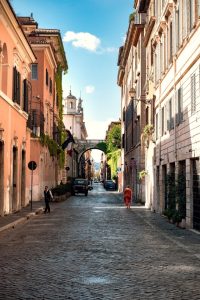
point(89, 89)
point(84, 40)
point(111, 49)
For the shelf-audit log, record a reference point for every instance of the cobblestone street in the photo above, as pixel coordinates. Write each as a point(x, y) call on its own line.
point(94, 248)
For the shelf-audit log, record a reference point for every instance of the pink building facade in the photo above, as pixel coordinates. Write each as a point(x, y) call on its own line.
point(16, 56)
point(31, 64)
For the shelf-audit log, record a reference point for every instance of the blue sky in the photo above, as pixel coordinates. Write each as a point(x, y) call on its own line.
point(92, 32)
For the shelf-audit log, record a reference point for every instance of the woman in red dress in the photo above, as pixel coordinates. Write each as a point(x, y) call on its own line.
point(127, 196)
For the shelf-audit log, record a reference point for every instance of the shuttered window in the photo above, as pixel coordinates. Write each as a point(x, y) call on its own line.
point(170, 42)
point(163, 121)
point(177, 29)
point(25, 95)
point(47, 77)
point(16, 85)
point(193, 93)
point(179, 106)
point(156, 126)
point(170, 120)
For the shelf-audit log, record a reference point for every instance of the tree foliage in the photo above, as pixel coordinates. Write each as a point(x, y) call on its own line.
point(113, 142)
point(113, 139)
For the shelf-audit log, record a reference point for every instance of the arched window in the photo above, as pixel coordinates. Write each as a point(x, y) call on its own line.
point(4, 80)
point(71, 104)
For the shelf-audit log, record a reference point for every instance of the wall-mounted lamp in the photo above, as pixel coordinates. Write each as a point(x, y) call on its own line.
point(132, 93)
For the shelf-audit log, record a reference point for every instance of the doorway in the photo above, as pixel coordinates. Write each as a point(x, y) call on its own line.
point(14, 179)
point(1, 178)
point(23, 179)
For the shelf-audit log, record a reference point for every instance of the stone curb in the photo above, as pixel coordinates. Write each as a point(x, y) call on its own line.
point(22, 219)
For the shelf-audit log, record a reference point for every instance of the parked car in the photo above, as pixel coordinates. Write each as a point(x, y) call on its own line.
point(80, 186)
point(109, 185)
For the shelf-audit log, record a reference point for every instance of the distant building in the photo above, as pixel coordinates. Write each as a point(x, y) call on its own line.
point(73, 119)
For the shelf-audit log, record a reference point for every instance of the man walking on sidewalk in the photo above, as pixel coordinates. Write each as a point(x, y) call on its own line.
point(47, 198)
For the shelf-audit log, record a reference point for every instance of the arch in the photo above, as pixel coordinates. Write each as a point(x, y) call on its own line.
point(82, 161)
point(4, 77)
point(91, 145)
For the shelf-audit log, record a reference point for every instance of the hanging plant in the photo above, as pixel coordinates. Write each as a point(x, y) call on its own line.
point(148, 130)
point(142, 174)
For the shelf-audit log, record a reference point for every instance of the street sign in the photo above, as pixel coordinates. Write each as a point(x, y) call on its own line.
point(32, 165)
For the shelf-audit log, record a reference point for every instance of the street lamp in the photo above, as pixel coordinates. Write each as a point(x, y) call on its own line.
point(132, 93)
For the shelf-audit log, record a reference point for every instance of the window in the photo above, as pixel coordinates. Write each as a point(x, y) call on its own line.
point(193, 93)
point(170, 42)
point(16, 85)
point(34, 71)
point(177, 29)
point(147, 115)
point(50, 85)
point(156, 126)
point(163, 122)
point(47, 77)
point(190, 15)
point(179, 115)
point(25, 95)
point(170, 121)
point(161, 55)
point(152, 54)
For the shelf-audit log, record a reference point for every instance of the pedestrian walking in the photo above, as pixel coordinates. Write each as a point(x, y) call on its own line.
point(127, 196)
point(47, 199)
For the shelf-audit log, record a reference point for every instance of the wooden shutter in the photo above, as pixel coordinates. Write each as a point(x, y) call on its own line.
point(25, 95)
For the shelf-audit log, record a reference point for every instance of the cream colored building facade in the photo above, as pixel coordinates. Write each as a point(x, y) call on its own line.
point(172, 109)
point(172, 40)
point(131, 77)
point(73, 119)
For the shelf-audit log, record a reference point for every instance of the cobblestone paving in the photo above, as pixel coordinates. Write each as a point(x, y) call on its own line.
point(94, 248)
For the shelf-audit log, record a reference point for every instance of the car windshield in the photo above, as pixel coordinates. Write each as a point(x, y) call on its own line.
point(80, 181)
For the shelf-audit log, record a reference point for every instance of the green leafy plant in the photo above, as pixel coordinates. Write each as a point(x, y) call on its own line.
point(102, 146)
point(148, 130)
point(113, 139)
point(112, 159)
point(142, 174)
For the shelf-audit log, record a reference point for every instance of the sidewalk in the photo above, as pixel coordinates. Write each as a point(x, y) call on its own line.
point(11, 220)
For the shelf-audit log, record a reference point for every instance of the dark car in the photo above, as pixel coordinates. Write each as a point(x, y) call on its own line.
point(110, 185)
point(80, 185)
